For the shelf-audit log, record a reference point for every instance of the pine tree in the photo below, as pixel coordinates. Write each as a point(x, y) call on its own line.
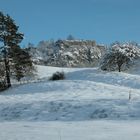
point(70, 37)
point(12, 55)
point(21, 63)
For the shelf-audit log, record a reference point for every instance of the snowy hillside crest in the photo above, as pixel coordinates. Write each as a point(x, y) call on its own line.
point(68, 53)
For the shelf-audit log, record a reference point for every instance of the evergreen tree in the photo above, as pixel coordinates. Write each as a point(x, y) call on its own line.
point(14, 58)
point(70, 37)
point(21, 63)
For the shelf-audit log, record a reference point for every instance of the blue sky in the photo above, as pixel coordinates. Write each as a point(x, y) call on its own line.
point(105, 21)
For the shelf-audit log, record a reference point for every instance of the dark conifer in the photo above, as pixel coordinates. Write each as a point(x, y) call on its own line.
point(15, 59)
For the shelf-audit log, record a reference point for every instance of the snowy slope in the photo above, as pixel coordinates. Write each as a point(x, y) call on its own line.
point(86, 94)
point(87, 130)
point(88, 100)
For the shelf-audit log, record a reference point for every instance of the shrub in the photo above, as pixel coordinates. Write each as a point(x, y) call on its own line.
point(58, 76)
point(3, 85)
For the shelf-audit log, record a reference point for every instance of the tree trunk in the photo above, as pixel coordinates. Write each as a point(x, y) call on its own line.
point(7, 69)
point(8, 74)
point(119, 67)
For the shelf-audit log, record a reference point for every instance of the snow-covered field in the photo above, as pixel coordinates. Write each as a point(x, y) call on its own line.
point(85, 130)
point(88, 105)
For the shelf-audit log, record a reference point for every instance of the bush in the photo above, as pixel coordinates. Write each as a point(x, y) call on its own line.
point(3, 85)
point(58, 76)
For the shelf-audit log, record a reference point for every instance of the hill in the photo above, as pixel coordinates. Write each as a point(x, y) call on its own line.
point(88, 101)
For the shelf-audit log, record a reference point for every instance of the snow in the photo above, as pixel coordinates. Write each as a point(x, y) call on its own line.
point(69, 54)
point(87, 130)
point(128, 49)
point(88, 104)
